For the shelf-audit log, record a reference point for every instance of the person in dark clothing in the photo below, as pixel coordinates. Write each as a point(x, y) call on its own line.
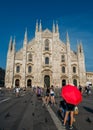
point(62, 109)
point(46, 98)
point(80, 88)
point(69, 110)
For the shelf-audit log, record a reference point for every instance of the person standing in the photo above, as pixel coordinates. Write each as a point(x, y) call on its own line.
point(52, 95)
point(17, 91)
point(47, 95)
point(69, 111)
point(80, 88)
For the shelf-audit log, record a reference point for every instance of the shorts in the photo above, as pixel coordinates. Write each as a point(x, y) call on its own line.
point(47, 94)
point(52, 94)
point(70, 107)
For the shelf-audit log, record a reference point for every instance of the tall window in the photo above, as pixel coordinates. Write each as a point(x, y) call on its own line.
point(74, 69)
point(30, 57)
point(63, 69)
point(46, 60)
point(17, 69)
point(62, 58)
point(29, 69)
point(46, 45)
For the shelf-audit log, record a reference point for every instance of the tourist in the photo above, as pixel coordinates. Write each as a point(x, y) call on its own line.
point(52, 95)
point(69, 110)
point(47, 96)
point(17, 91)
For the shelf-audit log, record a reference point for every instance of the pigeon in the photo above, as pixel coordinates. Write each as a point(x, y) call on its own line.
point(7, 115)
point(46, 120)
point(25, 101)
point(33, 114)
point(88, 120)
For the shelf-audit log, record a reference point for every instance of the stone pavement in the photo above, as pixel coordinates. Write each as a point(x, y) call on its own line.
point(25, 113)
point(29, 114)
point(84, 120)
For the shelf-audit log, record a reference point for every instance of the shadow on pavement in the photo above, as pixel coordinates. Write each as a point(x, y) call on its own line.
point(88, 109)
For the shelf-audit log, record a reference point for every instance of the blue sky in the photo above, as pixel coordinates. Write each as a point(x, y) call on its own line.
point(74, 16)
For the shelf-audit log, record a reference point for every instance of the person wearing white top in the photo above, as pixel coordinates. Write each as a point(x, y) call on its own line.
point(52, 95)
point(17, 91)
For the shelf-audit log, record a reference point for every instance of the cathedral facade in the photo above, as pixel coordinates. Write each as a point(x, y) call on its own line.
point(44, 61)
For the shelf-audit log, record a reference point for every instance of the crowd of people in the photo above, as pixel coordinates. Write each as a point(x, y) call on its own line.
point(48, 98)
point(48, 95)
point(66, 110)
point(86, 89)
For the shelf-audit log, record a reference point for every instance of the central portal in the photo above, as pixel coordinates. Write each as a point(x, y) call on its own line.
point(29, 83)
point(46, 81)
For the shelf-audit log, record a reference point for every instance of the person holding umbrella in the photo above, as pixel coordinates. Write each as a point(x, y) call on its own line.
point(69, 110)
point(73, 97)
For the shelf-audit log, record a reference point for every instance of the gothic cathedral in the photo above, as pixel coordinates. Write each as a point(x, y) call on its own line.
point(44, 61)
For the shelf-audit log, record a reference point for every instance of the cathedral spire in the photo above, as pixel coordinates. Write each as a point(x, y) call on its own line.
point(53, 27)
point(81, 47)
point(57, 28)
point(26, 34)
point(10, 44)
point(40, 26)
point(25, 37)
point(77, 46)
point(68, 43)
point(14, 44)
point(67, 38)
point(37, 26)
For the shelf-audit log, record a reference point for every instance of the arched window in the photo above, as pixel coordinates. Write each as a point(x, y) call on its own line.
point(29, 69)
point(63, 69)
point(17, 69)
point(46, 45)
point(46, 60)
point(30, 57)
point(62, 58)
point(74, 69)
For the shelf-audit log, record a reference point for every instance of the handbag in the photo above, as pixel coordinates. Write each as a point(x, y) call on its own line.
point(76, 111)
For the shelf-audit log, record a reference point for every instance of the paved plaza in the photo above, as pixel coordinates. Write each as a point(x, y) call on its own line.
point(27, 113)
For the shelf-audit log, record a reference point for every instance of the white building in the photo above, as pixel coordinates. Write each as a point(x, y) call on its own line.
point(44, 61)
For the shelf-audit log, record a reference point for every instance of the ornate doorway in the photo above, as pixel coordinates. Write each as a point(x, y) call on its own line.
point(63, 82)
point(29, 83)
point(46, 81)
point(17, 83)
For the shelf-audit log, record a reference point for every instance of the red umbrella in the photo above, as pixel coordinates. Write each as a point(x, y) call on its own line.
point(71, 94)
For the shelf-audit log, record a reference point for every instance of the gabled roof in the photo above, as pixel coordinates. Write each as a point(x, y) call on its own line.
point(19, 54)
point(46, 33)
